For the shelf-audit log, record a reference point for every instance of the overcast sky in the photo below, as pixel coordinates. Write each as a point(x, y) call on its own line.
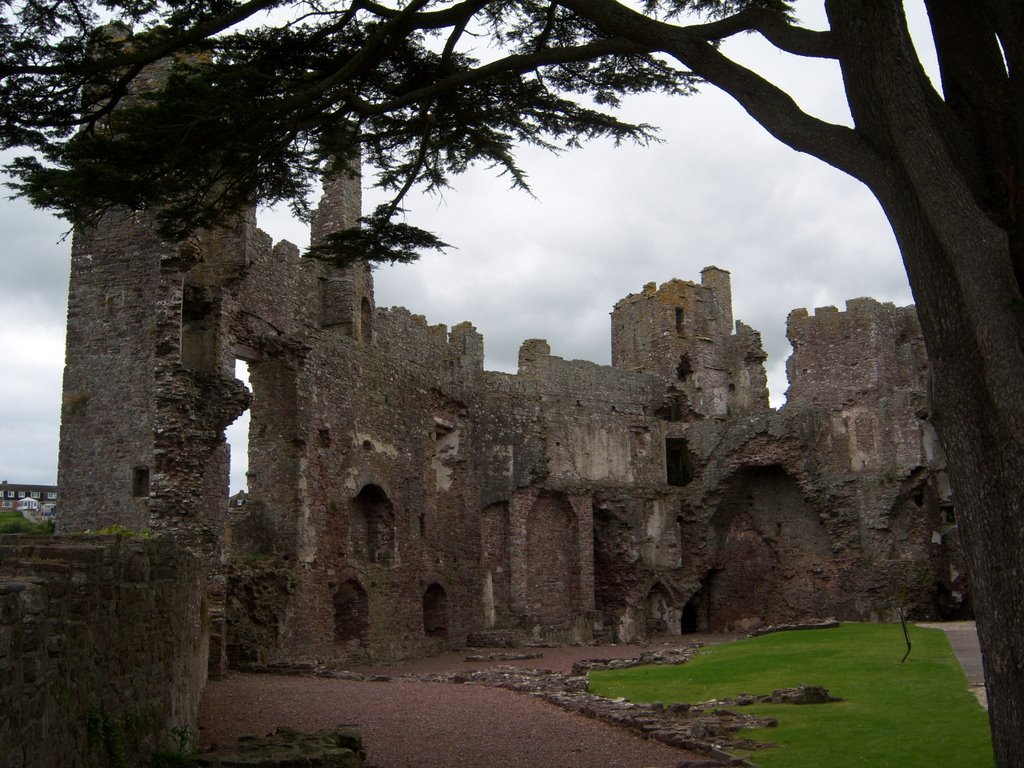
point(602, 222)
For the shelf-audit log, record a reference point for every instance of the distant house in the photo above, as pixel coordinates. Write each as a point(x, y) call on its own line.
point(34, 502)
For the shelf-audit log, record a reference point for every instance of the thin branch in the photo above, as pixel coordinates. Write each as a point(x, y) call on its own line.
point(514, 64)
point(799, 41)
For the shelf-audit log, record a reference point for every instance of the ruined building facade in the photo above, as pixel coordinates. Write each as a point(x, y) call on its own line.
point(404, 500)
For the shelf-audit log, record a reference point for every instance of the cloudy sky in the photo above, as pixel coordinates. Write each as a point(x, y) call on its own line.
point(602, 221)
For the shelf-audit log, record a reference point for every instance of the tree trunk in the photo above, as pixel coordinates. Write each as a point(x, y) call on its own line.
point(977, 371)
point(972, 315)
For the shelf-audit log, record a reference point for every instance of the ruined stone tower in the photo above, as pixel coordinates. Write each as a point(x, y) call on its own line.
point(682, 333)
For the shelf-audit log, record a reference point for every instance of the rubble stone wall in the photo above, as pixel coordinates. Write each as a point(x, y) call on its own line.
point(103, 649)
point(401, 499)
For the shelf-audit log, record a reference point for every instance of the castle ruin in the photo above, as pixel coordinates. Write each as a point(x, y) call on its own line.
point(403, 500)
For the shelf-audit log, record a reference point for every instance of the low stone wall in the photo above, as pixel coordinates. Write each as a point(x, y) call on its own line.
point(340, 747)
point(103, 649)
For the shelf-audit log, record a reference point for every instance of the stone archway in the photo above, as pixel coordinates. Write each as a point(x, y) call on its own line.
point(552, 562)
point(770, 545)
point(435, 611)
point(693, 616)
point(351, 613)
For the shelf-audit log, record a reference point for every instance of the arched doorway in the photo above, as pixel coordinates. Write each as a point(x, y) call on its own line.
point(351, 613)
point(435, 611)
point(693, 617)
point(552, 561)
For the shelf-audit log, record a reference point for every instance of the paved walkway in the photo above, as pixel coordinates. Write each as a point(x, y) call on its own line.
point(963, 636)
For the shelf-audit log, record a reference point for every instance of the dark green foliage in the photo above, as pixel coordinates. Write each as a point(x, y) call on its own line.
point(16, 523)
point(194, 119)
point(379, 239)
point(183, 752)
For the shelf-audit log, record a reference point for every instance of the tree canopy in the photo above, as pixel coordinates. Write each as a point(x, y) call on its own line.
point(194, 109)
point(261, 97)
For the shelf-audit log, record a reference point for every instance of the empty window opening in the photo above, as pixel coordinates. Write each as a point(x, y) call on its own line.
point(680, 463)
point(351, 613)
point(684, 369)
point(198, 329)
point(237, 436)
point(435, 611)
point(140, 482)
point(671, 408)
point(680, 317)
point(373, 525)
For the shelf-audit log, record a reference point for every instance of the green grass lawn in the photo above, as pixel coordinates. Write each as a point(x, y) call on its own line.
point(911, 715)
point(14, 522)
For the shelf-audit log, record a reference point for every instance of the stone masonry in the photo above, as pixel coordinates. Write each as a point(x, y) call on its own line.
point(102, 649)
point(402, 499)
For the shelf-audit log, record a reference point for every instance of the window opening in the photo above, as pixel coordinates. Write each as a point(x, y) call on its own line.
point(237, 436)
point(679, 461)
point(140, 482)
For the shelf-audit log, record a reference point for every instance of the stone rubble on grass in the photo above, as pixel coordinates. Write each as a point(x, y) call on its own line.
point(706, 727)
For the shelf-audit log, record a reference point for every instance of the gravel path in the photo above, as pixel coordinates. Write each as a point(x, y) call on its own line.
point(433, 725)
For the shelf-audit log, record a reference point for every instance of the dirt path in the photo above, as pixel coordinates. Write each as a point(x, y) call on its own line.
point(432, 725)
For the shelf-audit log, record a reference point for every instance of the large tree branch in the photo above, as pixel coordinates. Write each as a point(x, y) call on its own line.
point(791, 38)
point(769, 105)
point(426, 19)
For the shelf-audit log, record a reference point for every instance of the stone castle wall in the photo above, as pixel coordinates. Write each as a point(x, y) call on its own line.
point(401, 499)
point(102, 649)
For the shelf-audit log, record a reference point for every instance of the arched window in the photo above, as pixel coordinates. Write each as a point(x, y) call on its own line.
point(373, 525)
point(351, 613)
point(435, 611)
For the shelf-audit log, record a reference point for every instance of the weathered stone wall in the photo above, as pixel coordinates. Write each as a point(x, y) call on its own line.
point(682, 333)
point(845, 358)
point(107, 459)
point(401, 498)
point(103, 649)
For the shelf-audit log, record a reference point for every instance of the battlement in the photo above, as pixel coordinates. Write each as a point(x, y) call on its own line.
point(682, 333)
point(841, 358)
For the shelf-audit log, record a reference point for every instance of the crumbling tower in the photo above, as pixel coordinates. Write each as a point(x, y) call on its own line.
point(346, 295)
point(682, 333)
